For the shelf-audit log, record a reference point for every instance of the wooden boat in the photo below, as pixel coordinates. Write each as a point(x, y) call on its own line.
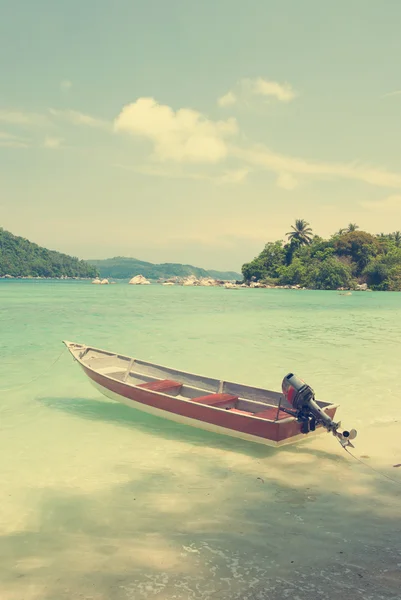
point(251, 413)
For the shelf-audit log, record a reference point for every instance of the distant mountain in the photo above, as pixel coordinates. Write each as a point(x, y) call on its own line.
point(121, 267)
point(21, 258)
point(226, 275)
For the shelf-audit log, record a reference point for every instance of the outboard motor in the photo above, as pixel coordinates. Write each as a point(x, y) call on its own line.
point(302, 399)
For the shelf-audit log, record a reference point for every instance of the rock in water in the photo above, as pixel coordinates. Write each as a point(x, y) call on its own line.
point(191, 280)
point(139, 280)
point(207, 282)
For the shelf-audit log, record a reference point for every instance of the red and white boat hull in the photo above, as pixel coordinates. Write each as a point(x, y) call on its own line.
point(243, 426)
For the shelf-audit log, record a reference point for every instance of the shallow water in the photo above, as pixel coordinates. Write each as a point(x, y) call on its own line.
point(99, 501)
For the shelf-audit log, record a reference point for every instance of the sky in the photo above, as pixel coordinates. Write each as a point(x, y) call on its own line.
point(195, 132)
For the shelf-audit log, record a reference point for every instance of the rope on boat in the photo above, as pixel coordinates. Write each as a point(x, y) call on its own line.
point(35, 378)
point(372, 468)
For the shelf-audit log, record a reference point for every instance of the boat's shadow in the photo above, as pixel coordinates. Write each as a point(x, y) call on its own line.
point(124, 416)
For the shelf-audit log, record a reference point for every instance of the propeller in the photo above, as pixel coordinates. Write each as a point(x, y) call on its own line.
point(346, 437)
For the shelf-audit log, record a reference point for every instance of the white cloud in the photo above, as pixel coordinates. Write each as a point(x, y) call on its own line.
point(389, 94)
point(262, 87)
point(153, 170)
point(17, 117)
point(234, 176)
point(78, 118)
point(65, 85)
point(230, 176)
point(389, 204)
point(227, 100)
point(186, 136)
point(5, 135)
point(280, 163)
point(21, 118)
point(286, 181)
point(9, 140)
point(52, 142)
point(181, 136)
point(12, 144)
point(248, 88)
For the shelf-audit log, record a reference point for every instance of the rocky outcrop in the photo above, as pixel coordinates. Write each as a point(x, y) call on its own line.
point(139, 280)
point(203, 281)
point(208, 282)
point(97, 281)
point(191, 280)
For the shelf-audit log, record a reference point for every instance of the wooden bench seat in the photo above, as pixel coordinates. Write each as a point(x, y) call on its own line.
point(164, 385)
point(271, 414)
point(218, 400)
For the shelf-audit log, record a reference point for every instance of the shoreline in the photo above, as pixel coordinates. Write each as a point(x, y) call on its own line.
point(185, 283)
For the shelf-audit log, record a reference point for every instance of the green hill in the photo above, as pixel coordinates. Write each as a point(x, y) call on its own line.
point(348, 259)
point(21, 258)
point(124, 268)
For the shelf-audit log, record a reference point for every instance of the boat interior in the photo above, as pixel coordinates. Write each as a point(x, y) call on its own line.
point(233, 397)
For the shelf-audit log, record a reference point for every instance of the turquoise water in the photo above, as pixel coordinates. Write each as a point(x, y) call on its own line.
point(99, 501)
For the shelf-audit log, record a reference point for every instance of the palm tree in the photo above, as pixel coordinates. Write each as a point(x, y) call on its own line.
point(397, 238)
point(341, 232)
point(352, 227)
point(301, 233)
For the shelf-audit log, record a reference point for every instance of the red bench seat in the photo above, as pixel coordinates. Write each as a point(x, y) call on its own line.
point(215, 399)
point(271, 414)
point(165, 385)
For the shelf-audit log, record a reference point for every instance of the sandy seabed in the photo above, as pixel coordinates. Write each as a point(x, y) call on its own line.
point(230, 520)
